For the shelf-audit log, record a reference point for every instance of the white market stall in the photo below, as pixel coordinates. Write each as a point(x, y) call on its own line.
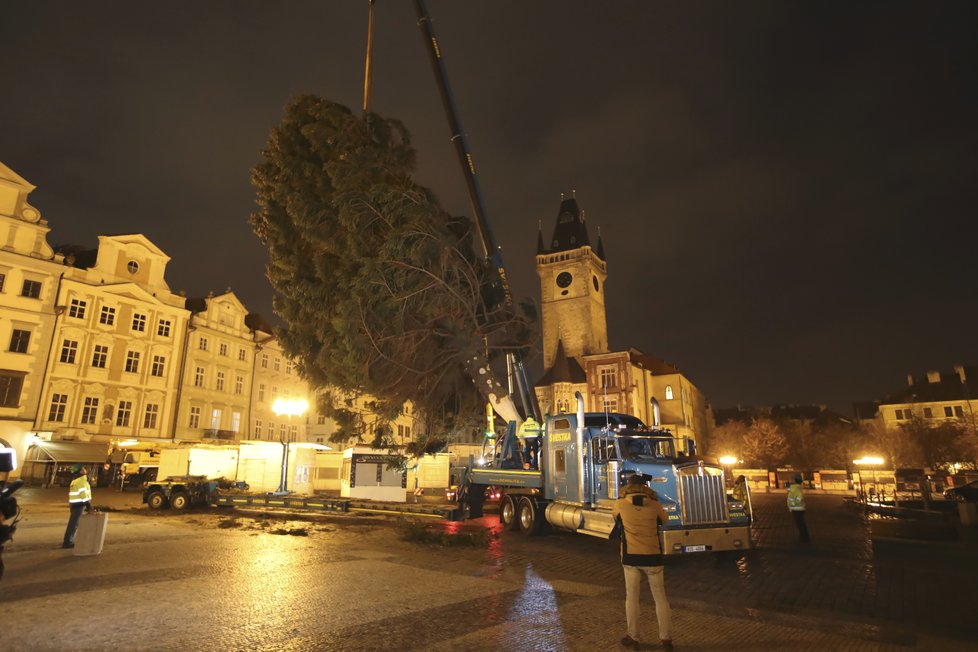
point(367, 473)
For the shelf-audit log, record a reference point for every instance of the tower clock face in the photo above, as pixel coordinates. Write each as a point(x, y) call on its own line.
point(564, 279)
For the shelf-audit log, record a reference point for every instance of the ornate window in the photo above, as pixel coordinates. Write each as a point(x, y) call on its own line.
point(77, 309)
point(11, 384)
point(149, 419)
point(69, 349)
point(19, 341)
point(99, 356)
point(90, 410)
point(107, 316)
point(59, 402)
point(30, 289)
point(123, 413)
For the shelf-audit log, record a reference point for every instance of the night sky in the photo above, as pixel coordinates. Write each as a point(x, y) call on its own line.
point(786, 191)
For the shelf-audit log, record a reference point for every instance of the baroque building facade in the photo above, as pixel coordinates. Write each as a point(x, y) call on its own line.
point(218, 363)
point(576, 354)
point(96, 349)
point(111, 369)
point(30, 272)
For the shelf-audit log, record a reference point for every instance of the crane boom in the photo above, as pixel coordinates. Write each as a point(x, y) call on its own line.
point(462, 150)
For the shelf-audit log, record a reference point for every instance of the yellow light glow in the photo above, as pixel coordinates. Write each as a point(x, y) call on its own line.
point(128, 442)
point(728, 460)
point(868, 460)
point(292, 407)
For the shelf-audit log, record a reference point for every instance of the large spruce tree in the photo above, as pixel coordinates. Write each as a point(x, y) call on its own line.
point(380, 289)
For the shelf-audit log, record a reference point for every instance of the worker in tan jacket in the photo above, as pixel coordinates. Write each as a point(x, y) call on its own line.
point(640, 513)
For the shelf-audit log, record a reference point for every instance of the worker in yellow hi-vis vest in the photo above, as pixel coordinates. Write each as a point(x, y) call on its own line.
point(529, 434)
point(796, 505)
point(79, 499)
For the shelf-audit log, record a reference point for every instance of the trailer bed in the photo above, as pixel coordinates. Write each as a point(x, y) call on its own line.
point(507, 478)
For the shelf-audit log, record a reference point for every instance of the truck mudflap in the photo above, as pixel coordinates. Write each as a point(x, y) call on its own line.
point(714, 539)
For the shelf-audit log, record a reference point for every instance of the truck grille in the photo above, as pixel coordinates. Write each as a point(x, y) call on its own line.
point(703, 498)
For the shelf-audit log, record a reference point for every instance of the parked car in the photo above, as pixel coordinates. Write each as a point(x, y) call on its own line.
point(967, 492)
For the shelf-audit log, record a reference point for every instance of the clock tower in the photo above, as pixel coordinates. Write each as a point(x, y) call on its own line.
point(572, 277)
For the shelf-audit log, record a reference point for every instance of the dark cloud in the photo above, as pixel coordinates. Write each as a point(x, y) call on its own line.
point(786, 191)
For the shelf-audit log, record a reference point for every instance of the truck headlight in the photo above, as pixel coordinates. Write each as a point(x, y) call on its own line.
point(669, 508)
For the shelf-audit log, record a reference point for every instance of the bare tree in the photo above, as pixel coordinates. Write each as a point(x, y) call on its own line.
point(765, 444)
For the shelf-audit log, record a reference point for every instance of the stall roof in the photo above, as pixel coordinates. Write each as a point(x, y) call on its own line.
point(74, 451)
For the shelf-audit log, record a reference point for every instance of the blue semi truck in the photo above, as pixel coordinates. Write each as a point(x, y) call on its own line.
point(578, 463)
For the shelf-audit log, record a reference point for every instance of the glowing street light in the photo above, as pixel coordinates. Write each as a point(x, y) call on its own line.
point(291, 407)
point(728, 460)
point(288, 407)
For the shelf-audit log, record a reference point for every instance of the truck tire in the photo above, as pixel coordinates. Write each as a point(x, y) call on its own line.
point(156, 500)
point(530, 518)
point(179, 500)
point(509, 513)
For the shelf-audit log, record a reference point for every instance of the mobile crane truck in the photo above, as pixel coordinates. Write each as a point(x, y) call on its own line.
point(583, 460)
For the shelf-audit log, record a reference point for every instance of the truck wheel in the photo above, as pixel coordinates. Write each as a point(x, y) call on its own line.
point(179, 500)
point(531, 523)
point(508, 517)
point(156, 500)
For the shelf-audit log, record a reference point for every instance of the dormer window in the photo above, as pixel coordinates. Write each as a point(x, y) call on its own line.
point(132, 266)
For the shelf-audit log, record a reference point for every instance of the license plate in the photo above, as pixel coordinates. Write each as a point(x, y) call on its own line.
point(694, 549)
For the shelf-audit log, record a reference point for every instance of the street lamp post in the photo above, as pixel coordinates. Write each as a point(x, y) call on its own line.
point(868, 461)
point(287, 408)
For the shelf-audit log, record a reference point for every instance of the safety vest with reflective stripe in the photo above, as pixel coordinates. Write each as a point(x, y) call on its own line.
point(80, 491)
point(796, 499)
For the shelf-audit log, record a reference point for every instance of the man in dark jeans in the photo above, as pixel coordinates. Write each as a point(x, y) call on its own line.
point(640, 513)
point(79, 500)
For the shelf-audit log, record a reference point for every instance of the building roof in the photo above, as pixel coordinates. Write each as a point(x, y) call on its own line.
point(79, 256)
point(938, 387)
point(818, 414)
point(655, 365)
point(256, 322)
point(563, 370)
point(196, 304)
point(865, 410)
point(570, 232)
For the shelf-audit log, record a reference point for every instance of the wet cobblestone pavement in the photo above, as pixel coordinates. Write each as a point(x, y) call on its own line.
point(191, 582)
